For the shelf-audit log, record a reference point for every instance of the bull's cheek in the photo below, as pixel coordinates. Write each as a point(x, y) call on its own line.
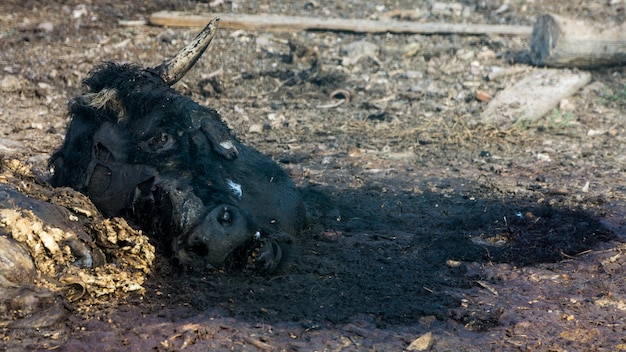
point(187, 207)
point(221, 231)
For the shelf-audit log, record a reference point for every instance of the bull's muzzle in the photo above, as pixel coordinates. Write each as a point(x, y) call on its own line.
point(221, 231)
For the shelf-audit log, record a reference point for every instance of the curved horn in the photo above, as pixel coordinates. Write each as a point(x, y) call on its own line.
point(172, 70)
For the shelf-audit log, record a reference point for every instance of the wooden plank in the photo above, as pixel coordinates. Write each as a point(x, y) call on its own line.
point(534, 96)
point(561, 42)
point(280, 23)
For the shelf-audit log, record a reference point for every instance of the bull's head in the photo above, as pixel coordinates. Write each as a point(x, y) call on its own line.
point(140, 149)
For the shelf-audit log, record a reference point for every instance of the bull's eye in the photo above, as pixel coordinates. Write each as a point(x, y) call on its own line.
point(226, 217)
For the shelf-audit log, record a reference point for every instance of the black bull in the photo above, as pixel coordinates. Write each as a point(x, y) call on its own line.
point(141, 150)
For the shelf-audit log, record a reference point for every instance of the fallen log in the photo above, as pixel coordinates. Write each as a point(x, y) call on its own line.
point(534, 96)
point(561, 42)
point(280, 23)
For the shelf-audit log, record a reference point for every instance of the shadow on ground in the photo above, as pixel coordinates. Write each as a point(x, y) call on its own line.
point(391, 255)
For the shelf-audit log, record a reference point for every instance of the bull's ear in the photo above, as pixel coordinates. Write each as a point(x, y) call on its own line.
point(215, 131)
point(172, 70)
point(105, 99)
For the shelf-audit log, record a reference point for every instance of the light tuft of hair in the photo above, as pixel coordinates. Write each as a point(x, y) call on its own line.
point(106, 99)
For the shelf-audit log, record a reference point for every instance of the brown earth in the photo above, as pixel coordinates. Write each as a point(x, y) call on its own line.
point(424, 219)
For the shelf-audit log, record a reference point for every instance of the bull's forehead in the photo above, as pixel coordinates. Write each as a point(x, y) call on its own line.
point(172, 115)
point(148, 123)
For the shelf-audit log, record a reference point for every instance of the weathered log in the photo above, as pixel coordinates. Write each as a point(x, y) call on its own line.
point(534, 96)
point(561, 42)
point(281, 23)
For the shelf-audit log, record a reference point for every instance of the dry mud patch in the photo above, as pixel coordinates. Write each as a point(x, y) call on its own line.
point(424, 220)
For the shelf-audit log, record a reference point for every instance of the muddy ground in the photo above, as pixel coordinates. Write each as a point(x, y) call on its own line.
point(429, 221)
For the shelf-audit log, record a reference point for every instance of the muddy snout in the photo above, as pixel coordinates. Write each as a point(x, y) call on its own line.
point(222, 230)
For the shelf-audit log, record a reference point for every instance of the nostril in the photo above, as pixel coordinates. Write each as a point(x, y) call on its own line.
point(225, 217)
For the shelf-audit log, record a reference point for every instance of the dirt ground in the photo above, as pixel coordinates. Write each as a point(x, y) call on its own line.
point(425, 221)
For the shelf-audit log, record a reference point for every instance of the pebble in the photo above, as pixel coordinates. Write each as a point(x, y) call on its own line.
point(353, 52)
point(543, 157)
point(412, 49)
point(412, 74)
point(566, 105)
point(465, 54)
point(354, 152)
point(486, 54)
point(585, 188)
point(444, 9)
point(483, 96)
point(422, 343)
point(272, 46)
point(10, 83)
point(256, 128)
point(45, 27)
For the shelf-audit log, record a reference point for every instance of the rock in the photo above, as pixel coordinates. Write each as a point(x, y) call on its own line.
point(16, 265)
point(430, 88)
point(412, 74)
point(271, 46)
point(486, 54)
point(422, 343)
point(445, 9)
point(10, 83)
point(9, 146)
point(80, 11)
point(355, 51)
point(45, 27)
point(256, 128)
point(22, 304)
point(483, 96)
point(566, 105)
point(412, 49)
point(60, 234)
point(30, 307)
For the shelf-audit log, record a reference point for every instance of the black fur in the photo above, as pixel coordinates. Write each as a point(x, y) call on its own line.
point(141, 150)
